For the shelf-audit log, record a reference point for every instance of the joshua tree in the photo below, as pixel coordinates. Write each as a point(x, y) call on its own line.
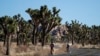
point(44, 18)
point(35, 21)
point(3, 23)
point(11, 27)
point(48, 21)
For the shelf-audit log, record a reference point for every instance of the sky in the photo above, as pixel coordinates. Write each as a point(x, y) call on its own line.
point(85, 11)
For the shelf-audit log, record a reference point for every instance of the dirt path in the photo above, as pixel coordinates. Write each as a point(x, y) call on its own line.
point(81, 52)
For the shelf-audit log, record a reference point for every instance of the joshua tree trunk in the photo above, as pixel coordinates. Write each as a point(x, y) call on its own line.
point(18, 39)
point(72, 39)
point(43, 37)
point(5, 40)
point(8, 45)
point(5, 37)
point(43, 40)
point(83, 42)
point(33, 38)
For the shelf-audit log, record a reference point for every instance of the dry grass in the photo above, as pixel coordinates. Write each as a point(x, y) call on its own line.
point(42, 52)
point(30, 50)
point(24, 50)
point(61, 50)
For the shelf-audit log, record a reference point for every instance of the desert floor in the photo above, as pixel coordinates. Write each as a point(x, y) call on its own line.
point(59, 50)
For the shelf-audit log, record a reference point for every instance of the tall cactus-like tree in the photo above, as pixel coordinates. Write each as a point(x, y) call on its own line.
point(19, 21)
point(45, 18)
point(74, 30)
point(9, 27)
point(48, 21)
point(35, 21)
point(75, 26)
point(24, 31)
point(3, 23)
point(83, 36)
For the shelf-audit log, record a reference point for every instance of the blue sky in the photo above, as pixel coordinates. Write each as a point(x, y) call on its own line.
point(86, 11)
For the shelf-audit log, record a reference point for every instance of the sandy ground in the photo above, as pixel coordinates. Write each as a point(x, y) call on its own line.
point(81, 52)
point(59, 50)
point(78, 50)
point(31, 50)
